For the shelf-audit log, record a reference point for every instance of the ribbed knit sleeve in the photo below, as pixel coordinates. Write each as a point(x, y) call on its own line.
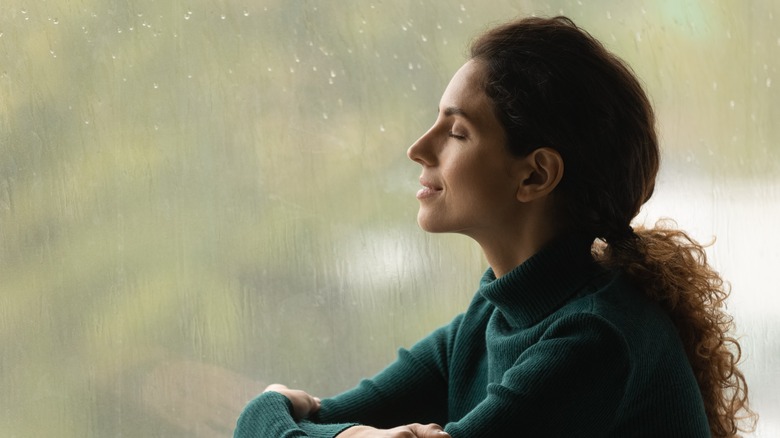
point(269, 416)
point(413, 389)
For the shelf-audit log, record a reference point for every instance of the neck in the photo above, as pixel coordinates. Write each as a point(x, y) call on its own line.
point(506, 252)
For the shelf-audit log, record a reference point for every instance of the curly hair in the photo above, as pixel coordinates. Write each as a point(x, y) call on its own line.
point(553, 85)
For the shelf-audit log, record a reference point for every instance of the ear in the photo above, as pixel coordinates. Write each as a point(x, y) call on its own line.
point(541, 172)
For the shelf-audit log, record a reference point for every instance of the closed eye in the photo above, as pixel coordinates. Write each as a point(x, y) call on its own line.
point(457, 136)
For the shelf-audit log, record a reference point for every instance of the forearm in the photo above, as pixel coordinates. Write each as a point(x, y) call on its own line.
point(270, 415)
point(405, 392)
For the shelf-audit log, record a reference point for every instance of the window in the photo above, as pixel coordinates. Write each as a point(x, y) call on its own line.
point(201, 198)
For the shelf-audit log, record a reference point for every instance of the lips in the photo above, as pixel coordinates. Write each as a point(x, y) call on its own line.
point(429, 190)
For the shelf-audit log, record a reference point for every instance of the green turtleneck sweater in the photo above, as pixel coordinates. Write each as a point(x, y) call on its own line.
point(559, 346)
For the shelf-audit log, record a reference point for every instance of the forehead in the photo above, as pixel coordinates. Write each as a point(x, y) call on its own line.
point(465, 85)
point(466, 91)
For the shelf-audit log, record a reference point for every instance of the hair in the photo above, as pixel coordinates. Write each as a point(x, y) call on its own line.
point(553, 85)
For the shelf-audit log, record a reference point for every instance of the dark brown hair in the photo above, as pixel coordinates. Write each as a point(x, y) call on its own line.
point(554, 85)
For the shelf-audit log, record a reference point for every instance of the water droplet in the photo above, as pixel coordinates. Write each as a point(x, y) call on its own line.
point(424, 38)
point(714, 85)
point(292, 70)
point(222, 16)
point(463, 8)
point(332, 74)
point(609, 15)
point(246, 14)
point(768, 82)
point(732, 104)
point(55, 20)
point(330, 81)
point(118, 30)
point(638, 37)
point(403, 27)
point(414, 87)
point(411, 67)
point(381, 128)
point(325, 116)
point(156, 86)
point(314, 68)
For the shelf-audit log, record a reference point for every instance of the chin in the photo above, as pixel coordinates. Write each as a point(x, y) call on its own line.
point(430, 225)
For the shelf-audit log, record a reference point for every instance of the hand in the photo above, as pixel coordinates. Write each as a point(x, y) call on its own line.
point(304, 404)
point(409, 431)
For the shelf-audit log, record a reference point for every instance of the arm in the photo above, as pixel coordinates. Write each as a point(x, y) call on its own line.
point(411, 390)
point(570, 383)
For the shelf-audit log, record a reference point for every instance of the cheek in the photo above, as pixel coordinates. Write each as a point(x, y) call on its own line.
point(484, 182)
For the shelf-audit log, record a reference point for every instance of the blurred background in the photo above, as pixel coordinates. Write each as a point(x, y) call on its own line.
point(198, 198)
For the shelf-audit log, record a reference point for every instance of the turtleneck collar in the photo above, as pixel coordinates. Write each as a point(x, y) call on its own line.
point(541, 284)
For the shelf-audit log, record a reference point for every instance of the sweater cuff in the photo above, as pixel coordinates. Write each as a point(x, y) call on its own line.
point(316, 430)
point(270, 415)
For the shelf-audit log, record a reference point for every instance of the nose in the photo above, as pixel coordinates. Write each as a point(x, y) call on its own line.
point(421, 151)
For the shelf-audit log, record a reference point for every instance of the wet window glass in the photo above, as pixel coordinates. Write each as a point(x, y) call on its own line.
point(200, 198)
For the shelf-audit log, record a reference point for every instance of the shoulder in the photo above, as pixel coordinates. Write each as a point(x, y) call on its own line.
point(617, 311)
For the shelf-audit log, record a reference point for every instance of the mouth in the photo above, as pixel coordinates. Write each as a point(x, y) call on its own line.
point(428, 190)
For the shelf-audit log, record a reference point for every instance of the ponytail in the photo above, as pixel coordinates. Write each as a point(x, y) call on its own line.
point(672, 269)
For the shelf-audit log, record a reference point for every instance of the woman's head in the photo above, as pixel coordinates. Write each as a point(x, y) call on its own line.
point(553, 85)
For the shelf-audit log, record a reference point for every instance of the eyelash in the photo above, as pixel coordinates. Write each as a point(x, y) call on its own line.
point(456, 136)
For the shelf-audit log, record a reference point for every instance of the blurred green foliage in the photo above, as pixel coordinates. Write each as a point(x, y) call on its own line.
point(226, 183)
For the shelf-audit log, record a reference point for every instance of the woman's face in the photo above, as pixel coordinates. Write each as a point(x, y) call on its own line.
point(469, 178)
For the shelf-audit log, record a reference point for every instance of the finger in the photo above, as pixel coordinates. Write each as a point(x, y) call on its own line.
point(431, 430)
point(275, 387)
point(400, 432)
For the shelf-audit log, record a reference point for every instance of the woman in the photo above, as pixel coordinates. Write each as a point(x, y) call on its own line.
point(543, 151)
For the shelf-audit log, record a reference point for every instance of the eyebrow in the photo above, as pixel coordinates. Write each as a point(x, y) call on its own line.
point(455, 111)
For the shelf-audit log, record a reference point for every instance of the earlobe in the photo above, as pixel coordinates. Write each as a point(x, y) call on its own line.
point(542, 171)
